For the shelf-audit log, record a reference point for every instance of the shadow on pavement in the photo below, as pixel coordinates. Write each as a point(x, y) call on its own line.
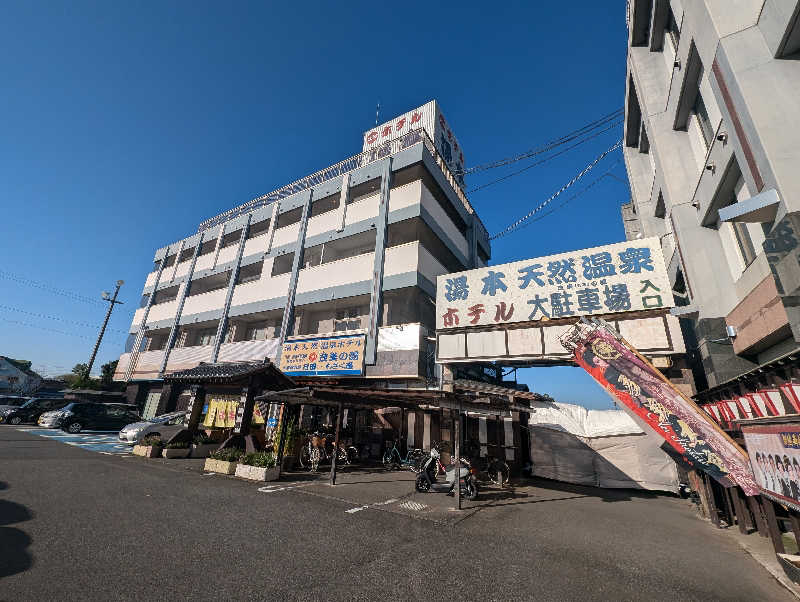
point(14, 557)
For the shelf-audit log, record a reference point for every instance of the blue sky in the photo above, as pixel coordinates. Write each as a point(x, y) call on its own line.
point(126, 124)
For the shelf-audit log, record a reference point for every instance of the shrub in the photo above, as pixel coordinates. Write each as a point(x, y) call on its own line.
point(177, 445)
point(202, 439)
point(229, 454)
point(260, 459)
point(152, 441)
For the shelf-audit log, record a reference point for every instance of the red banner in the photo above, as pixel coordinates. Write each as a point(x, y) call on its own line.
point(644, 391)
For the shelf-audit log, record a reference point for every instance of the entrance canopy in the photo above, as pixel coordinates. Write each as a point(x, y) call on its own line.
point(263, 375)
point(470, 396)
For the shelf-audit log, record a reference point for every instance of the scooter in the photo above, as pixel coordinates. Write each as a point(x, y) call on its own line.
point(426, 480)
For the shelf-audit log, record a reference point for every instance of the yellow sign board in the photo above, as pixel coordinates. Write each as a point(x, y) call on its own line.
point(339, 355)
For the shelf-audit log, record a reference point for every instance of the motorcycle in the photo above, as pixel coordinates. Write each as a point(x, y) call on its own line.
point(427, 483)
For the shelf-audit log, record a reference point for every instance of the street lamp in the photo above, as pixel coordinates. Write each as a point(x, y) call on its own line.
point(112, 301)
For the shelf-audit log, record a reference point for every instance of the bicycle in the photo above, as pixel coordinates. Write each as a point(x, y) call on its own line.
point(392, 460)
point(493, 469)
point(311, 453)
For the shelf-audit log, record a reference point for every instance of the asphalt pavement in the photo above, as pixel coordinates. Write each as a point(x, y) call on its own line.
point(80, 525)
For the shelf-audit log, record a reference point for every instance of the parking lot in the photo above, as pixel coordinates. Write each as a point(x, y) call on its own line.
point(103, 442)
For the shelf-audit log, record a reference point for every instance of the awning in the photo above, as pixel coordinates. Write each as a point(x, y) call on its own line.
point(265, 372)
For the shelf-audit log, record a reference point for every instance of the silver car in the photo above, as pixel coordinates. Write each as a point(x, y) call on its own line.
point(165, 425)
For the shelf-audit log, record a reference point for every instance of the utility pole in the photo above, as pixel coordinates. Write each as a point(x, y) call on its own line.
point(112, 301)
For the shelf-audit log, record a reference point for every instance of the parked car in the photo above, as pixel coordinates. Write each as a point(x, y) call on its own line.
point(30, 411)
point(165, 426)
point(12, 401)
point(79, 415)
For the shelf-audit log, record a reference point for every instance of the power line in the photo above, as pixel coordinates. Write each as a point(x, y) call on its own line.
point(47, 287)
point(29, 325)
point(59, 319)
point(574, 196)
point(546, 159)
point(547, 201)
point(614, 115)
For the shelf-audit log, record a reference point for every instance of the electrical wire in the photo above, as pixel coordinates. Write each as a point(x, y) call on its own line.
point(613, 116)
point(52, 289)
point(574, 196)
point(29, 325)
point(547, 201)
point(546, 159)
point(59, 319)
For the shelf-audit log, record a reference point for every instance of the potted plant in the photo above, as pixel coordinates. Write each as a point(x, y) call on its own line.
point(290, 449)
point(203, 446)
point(258, 466)
point(223, 460)
point(176, 449)
point(149, 447)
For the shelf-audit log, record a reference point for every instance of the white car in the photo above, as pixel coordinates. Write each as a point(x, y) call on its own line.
point(165, 425)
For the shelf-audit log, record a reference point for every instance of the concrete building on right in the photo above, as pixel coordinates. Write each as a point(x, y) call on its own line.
point(712, 150)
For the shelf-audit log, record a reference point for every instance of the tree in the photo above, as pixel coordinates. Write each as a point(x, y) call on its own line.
point(107, 374)
point(80, 378)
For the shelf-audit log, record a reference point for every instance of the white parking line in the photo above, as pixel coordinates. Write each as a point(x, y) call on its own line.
point(360, 508)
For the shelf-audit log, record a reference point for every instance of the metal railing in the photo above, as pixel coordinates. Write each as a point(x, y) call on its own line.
point(339, 169)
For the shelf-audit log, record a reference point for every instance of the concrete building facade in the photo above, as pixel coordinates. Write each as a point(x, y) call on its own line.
point(712, 126)
point(352, 249)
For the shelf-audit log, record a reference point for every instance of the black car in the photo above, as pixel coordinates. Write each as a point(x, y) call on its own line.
point(30, 411)
point(79, 415)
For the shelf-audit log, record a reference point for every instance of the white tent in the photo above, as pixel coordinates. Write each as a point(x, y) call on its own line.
point(602, 448)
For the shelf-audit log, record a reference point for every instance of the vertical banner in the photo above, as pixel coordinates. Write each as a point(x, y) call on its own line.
point(644, 391)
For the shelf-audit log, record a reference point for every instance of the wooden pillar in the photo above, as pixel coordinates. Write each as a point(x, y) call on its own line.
point(742, 514)
point(282, 444)
point(336, 442)
point(712, 504)
point(795, 526)
point(195, 409)
point(772, 526)
point(761, 524)
point(749, 521)
point(457, 451)
point(730, 515)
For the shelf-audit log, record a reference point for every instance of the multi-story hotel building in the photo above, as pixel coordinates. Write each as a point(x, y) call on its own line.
point(712, 123)
point(354, 248)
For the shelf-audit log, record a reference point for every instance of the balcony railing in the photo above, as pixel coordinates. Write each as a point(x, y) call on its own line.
point(412, 138)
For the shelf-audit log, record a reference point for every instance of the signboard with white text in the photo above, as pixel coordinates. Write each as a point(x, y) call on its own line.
point(428, 117)
point(621, 277)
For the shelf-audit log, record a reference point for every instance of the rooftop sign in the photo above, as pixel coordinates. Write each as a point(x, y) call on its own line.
point(429, 118)
point(621, 277)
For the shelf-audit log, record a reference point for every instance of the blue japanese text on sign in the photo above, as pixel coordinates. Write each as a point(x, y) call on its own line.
point(338, 355)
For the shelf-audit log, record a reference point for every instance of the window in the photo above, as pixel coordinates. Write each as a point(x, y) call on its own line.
point(208, 246)
point(672, 30)
point(282, 264)
point(260, 331)
point(231, 238)
point(250, 273)
point(348, 318)
point(165, 295)
point(745, 242)
point(206, 337)
point(186, 255)
point(258, 228)
point(700, 110)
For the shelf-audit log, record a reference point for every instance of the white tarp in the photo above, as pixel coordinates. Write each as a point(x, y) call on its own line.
point(602, 448)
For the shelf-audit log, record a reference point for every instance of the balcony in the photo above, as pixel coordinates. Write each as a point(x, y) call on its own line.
point(151, 278)
point(259, 290)
point(248, 350)
point(227, 254)
point(336, 273)
point(182, 358)
point(411, 139)
point(147, 365)
point(257, 244)
point(162, 311)
point(364, 209)
point(203, 302)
